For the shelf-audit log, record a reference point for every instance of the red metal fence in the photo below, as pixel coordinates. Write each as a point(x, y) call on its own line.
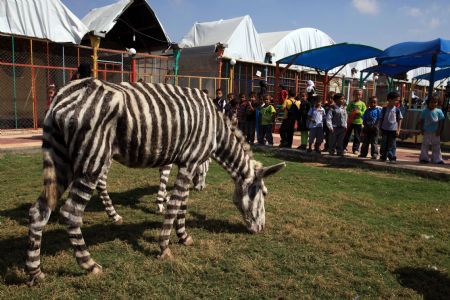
point(28, 67)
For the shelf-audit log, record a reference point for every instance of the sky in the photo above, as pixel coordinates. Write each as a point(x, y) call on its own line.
point(378, 23)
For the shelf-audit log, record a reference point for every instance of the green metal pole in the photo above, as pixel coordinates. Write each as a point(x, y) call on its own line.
point(343, 85)
point(390, 84)
point(176, 66)
point(14, 83)
point(361, 80)
point(433, 69)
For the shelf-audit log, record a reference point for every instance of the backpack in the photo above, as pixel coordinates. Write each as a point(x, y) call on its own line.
point(383, 114)
point(293, 111)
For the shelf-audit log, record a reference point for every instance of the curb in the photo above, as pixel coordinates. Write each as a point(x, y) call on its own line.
point(302, 156)
point(21, 150)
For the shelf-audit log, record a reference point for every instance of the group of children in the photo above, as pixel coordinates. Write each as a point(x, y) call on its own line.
point(334, 122)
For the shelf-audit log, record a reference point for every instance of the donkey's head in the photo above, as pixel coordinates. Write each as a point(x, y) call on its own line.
point(249, 197)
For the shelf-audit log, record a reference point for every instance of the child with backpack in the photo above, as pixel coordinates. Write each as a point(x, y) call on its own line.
point(371, 119)
point(431, 124)
point(391, 121)
point(302, 122)
point(315, 116)
point(291, 108)
point(336, 122)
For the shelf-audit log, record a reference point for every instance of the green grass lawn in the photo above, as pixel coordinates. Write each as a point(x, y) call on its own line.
point(330, 233)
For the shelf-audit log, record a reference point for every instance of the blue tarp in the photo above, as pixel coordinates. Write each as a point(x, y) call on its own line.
point(438, 75)
point(389, 70)
point(417, 54)
point(330, 57)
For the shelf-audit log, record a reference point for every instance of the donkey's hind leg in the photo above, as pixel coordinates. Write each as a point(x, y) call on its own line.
point(106, 200)
point(161, 197)
point(72, 211)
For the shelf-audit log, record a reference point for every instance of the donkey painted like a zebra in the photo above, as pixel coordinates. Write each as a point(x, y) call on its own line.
point(90, 122)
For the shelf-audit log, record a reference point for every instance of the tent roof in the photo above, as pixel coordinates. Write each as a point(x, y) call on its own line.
point(417, 54)
point(329, 57)
point(286, 43)
point(123, 19)
point(438, 75)
point(43, 19)
point(101, 20)
point(389, 70)
point(239, 35)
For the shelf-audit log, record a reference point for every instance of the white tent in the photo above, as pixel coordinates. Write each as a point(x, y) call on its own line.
point(43, 19)
point(238, 34)
point(101, 20)
point(285, 43)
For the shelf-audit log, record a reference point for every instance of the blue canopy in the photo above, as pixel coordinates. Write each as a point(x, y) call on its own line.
point(329, 57)
point(417, 54)
point(438, 75)
point(389, 70)
point(416, 50)
point(435, 53)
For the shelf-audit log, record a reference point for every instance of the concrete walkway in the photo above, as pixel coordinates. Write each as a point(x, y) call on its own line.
point(16, 141)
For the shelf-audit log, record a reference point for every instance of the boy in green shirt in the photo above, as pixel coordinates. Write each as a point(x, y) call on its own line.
point(355, 112)
point(268, 114)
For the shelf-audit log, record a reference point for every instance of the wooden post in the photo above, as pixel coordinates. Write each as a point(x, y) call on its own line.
point(230, 90)
point(95, 44)
point(220, 50)
point(277, 82)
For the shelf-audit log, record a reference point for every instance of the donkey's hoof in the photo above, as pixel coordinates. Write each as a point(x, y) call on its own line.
point(118, 221)
point(35, 279)
point(166, 255)
point(96, 270)
point(189, 241)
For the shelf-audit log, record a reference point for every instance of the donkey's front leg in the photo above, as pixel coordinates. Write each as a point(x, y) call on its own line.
point(176, 208)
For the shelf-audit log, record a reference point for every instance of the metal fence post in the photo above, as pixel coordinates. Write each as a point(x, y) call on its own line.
point(14, 82)
point(33, 86)
point(121, 67)
point(63, 66)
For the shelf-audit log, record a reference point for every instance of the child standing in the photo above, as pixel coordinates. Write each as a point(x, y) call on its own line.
point(302, 122)
point(251, 119)
point(315, 116)
point(326, 106)
point(431, 124)
point(337, 124)
point(391, 121)
point(355, 110)
point(371, 118)
point(268, 114)
point(241, 113)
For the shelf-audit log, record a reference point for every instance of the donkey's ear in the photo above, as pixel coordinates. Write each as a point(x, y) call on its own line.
point(267, 171)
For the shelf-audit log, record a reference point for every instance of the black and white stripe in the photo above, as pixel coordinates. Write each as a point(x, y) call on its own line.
point(91, 122)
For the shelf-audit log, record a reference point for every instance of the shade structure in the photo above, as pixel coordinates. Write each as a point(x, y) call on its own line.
point(329, 57)
point(435, 53)
point(418, 54)
point(438, 75)
point(390, 70)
